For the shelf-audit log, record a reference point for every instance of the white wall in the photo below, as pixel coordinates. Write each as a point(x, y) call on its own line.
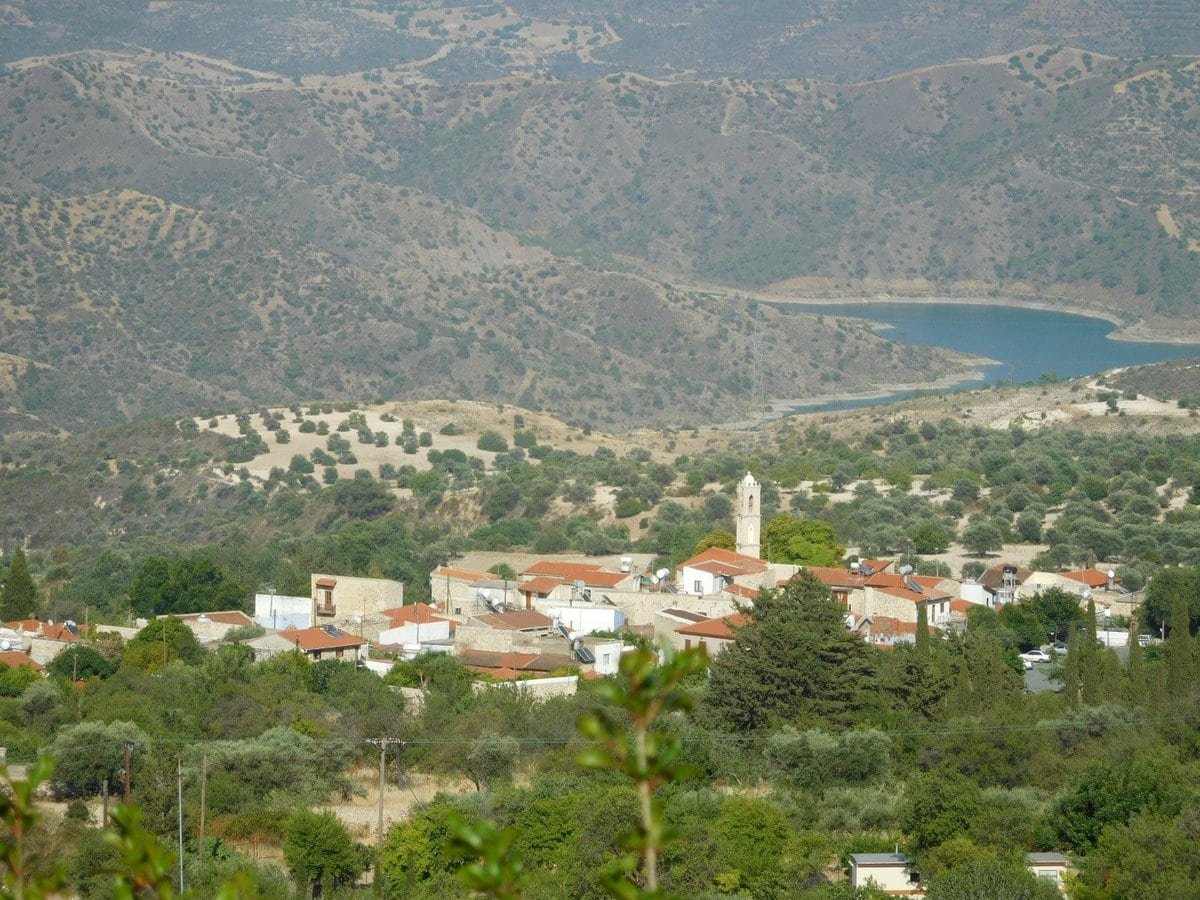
point(414, 633)
point(584, 620)
point(279, 611)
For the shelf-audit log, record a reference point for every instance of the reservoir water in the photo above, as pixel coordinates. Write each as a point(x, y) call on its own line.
point(1026, 343)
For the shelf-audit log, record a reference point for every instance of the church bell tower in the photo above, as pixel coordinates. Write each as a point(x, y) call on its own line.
point(749, 516)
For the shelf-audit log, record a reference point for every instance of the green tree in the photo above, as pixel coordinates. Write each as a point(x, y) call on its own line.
point(982, 536)
point(18, 599)
point(1105, 793)
point(185, 584)
point(938, 805)
point(319, 851)
point(80, 661)
point(990, 879)
point(492, 442)
point(160, 643)
point(90, 752)
point(491, 758)
point(1150, 856)
point(720, 538)
point(930, 536)
point(1179, 649)
point(794, 662)
point(362, 498)
point(803, 542)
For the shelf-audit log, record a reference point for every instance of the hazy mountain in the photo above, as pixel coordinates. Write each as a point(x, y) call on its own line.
point(206, 222)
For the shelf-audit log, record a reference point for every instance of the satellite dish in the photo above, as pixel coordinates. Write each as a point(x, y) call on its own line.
point(906, 570)
point(654, 579)
point(663, 573)
point(1087, 594)
point(1112, 573)
point(5, 646)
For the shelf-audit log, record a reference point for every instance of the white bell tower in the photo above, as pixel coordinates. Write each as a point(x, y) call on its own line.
point(749, 516)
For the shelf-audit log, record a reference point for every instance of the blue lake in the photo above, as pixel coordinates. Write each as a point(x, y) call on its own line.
point(1026, 343)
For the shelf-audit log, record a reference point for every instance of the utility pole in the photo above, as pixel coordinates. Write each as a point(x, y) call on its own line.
point(203, 798)
point(378, 880)
point(179, 801)
point(104, 814)
point(128, 748)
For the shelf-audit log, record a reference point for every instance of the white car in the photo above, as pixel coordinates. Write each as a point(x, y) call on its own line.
point(1036, 656)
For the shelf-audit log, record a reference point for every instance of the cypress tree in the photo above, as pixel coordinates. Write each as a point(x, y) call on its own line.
point(18, 600)
point(1135, 670)
point(922, 633)
point(1090, 662)
point(1071, 667)
point(1179, 648)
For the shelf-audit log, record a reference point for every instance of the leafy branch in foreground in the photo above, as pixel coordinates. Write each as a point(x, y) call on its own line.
point(19, 817)
point(645, 691)
point(496, 869)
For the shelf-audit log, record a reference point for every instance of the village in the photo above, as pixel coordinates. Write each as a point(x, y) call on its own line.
point(542, 625)
point(562, 617)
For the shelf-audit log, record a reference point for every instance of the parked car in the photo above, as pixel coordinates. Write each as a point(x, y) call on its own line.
point(1027, 664)
point(1036, 656)
point(1058, 647)
point(1145, 640)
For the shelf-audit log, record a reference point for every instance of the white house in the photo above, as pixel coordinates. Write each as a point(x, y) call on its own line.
point(890, 872)
point(1048, 867)
point(714, 570)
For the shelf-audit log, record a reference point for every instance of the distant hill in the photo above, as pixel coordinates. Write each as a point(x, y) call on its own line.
point(587, 39)
point(208, 223)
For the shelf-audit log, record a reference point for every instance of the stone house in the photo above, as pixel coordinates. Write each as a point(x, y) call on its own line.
point(354, 604)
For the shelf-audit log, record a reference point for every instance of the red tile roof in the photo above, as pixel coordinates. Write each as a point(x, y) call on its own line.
point(742, 591)
point(517, 620)
point(716, 628)
point(1093, 578)
point(489, 661)
point(460, 574)
point(34, 628)
point(894, 586)
point(561, 569)
point(313, 639)
point(838, 578)
point(326, 582)
point(16, 658)
point(733, 563)
point(590, 574)
point(961, 606)
point(542, 584)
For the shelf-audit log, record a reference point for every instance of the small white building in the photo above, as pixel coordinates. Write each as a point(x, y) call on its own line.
point(714, 570)
point(890, 872)
point(1048, 867)
point(581, 620)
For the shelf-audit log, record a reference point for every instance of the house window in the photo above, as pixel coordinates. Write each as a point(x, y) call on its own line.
point(697, 586)
point(687, 643)
point(338, 653)
point(704, 646)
